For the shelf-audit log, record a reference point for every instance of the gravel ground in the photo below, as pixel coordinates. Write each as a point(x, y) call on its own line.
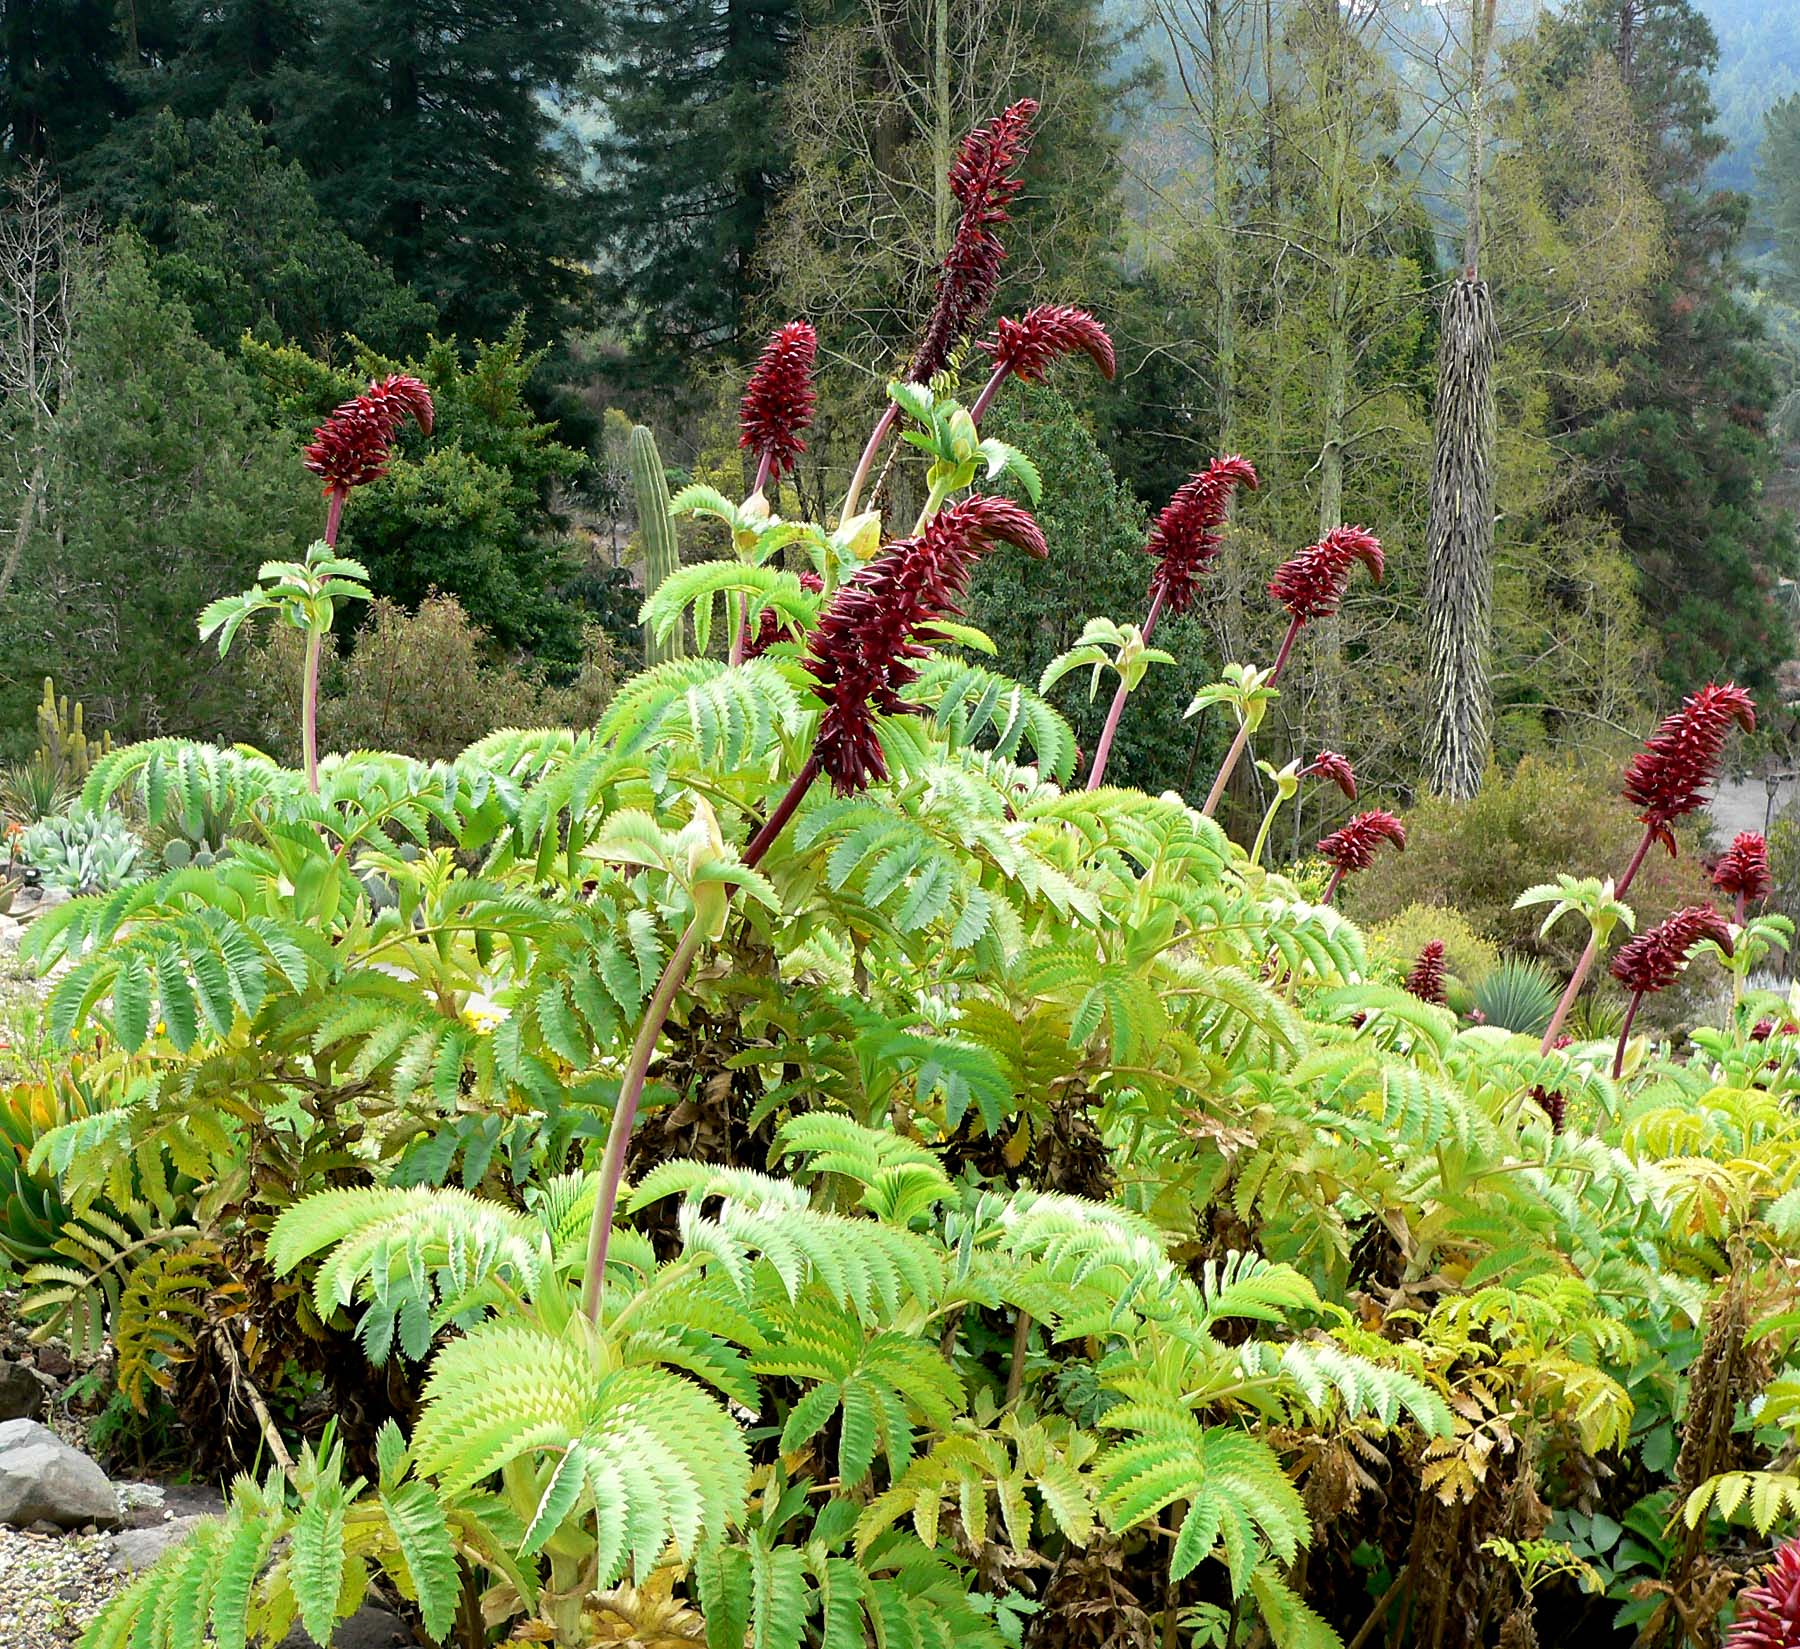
point(50, 1587)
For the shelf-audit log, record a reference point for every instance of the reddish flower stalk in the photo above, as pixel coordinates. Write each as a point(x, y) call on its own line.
point(1667, 780)
point(1744, 871)
point(1183, 541)
point(778, 402)
point(1352, 848)
point(862, 655)
point(1328, 764)
point(1768, 1611)
point(1026, 348)
point(1654, 959)
point(1310, 585)
point(981, 178)
point(350, 449)
point(1426, 981)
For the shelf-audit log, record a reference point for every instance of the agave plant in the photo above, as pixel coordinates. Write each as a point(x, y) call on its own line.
point(1519, 995)
point(83, 852)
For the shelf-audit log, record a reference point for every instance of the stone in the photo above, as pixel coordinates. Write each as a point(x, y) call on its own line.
point(21, 1392)
point(133, 1549)
point(41, 1477)
point(371, 1627)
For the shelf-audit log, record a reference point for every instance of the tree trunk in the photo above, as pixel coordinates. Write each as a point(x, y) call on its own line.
point(1459, 539)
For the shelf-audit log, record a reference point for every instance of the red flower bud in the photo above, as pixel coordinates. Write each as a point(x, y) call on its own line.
point(1328, 764)
point(1553, 1105)
point(354, 444)
point(1745, 868)
point(1186, 536)
point(982, 181)
point(862, 652)
point(1026, 348)
point(1311, 584)
point(1426, 981)
point(1768, 1612)
point(1353, 847)
point(1652, 961)
point(778, 401)
point(1669, 777)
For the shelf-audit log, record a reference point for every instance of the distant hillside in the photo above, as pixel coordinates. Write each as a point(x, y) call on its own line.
point(1759, 64)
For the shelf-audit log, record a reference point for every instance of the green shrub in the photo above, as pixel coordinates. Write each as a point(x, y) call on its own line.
point(428, 683)
point(1546, 816)
point(1469, 956)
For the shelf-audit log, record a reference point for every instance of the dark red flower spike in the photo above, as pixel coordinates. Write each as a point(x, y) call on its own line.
point(1669, 778)
point(1311, 584)
point(1186, 537)
point(863, 652)
point(981, 178)
point(778, 401)
point(1328, 764)
point(1653, 960)
point(1553, 1104)
point(1352, 847)
point(1768, 1611)
point(1744, 871)
point(352, 447)
point(1026, 348)
point(1426, 981)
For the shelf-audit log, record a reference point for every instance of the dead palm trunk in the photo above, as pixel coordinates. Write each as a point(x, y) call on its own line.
point(1460, 543)
point(1459, 538)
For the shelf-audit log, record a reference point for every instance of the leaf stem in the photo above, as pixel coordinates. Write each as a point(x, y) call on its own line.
point(1229, 765)
point(643, 1047)
point(1103, 750)
point(1618, 1068)
point(1579, 976)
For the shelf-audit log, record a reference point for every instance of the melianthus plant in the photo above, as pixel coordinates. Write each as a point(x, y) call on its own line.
point(942, 977)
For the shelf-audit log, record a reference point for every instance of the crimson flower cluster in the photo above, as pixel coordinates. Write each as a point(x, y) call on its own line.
point(769, 628)
point(1353, 847)
point(1744, 871)
point(1426, 981)
point(1653, 960)
point(1668, 779)
point(353, 445)
point(981, 178)
point(778, 401)
point(862, 651)
point(1311, 584)
point(1027, 347)
point(1328, 764)
point(1186, 536)
point(1768, 1612)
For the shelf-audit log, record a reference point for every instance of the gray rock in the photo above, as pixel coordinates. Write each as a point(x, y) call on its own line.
point(134, 1549)
point(21, 1392)
point(41, 1477)
point(371, 1627)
